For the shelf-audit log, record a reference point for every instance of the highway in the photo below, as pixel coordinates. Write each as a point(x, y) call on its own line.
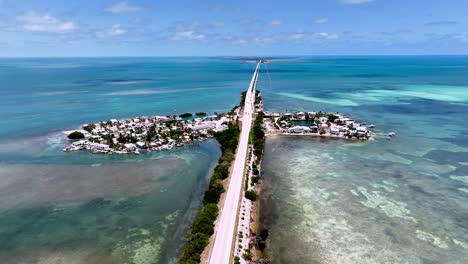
point(224, 233)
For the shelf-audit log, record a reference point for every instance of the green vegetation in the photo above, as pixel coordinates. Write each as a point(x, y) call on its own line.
point(243, 95)
point(255, 179)
point(89, 127)
point(236, 260)
point(258, 136)
point(251, 195)
point(202, 227)
point(255, 171)
point(76, 135)
point(200, 113)
point(185, 115)
point(228, 139)
point(247, 256)
point(332, 118)
point(151, 134)
point(258, 98)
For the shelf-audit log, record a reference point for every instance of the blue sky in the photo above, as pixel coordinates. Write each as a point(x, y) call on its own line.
point(34, 28)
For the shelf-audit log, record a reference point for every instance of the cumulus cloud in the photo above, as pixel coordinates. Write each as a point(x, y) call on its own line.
point(355, 2)
point(114, 31)
point(123, 7)
point(38, 22)
point(188, 35)
point(322, 20)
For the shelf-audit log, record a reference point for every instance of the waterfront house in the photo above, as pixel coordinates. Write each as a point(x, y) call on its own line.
point(314, 129)
point(210, 118)
point(300, 115)
point(334, 131)
point(299, 129)
point(323, 119)
point(141, 145)
point(130, 146)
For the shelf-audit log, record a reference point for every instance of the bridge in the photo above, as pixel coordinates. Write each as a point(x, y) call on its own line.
point(224, 233)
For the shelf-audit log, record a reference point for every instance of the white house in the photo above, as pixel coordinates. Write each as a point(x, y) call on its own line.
point(323, 119)
point(130, 146)
point(299, 129)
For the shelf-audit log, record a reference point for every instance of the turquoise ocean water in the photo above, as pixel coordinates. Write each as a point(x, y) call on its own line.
point(58, 207)
point(403, 200)
point(386, 201)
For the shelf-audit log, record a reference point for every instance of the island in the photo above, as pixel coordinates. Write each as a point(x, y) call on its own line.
point(317, 124)
point(133, 135)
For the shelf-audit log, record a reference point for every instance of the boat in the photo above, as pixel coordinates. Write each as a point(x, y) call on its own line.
point(391, 134)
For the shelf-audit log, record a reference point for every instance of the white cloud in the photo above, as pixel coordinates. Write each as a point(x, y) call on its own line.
point(276, 22)
point(38, 22)
point(123, 7)
point(326, 35)
point(355, 2)
point(297, 36)
point(322, 20)
point(219, 24)
point(461, 37)
point(311, 35)
point(115, 31)
point(188, 35)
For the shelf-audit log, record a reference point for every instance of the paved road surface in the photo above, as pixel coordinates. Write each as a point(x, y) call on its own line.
point(221, 253)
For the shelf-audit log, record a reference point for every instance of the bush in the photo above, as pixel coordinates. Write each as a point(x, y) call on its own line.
point(222, 171)
point(202, 229)
point(251, 195)
point(194, 247)
point(258, 136)
point(202, 226)
point(213, 193)
point(200, 113)
point(76, 135)
point(255, 171)
point(89, 127)
point(255, 179)
point(185, 115)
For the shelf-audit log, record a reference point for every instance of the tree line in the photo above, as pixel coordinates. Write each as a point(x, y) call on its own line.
point(203, 226)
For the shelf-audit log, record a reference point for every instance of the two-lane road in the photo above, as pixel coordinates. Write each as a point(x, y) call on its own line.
point(224, 233)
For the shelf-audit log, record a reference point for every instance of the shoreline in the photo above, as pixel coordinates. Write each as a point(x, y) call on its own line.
point(318, 136)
